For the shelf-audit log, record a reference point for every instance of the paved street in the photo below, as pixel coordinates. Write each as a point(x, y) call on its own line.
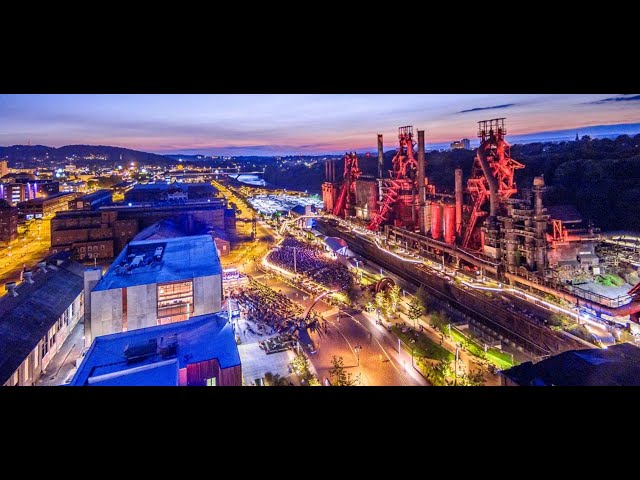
point(64, 361)
point(31, 247)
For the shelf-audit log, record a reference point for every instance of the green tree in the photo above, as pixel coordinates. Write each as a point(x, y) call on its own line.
point(271, 380)
point(416, 309)
point(381, 302)
point(473, 379)
point(339, 375)
point(300, 365)
point(367, 297)
point(394, 297)
point(425, 298)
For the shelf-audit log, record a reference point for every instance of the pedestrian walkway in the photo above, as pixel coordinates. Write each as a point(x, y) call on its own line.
point(64, 361)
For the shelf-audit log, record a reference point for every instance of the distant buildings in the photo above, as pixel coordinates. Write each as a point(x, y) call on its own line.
point(16, 190)
point(92, 201)
point(465, 143)
point(617, 365)
point(155, 282)
point(8, 222)
point(168, 192)
point(36, 318)
point(45, 206)
point(201, 351)
point(113, 226)
point(4, 170)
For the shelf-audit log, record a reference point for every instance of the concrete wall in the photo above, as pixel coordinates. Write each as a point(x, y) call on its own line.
point(207, 294)
point(142, 306)
point(106, 313)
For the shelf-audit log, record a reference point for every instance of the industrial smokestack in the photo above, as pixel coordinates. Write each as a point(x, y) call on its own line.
point(458, 190)
point(421, 187)
point(380, 156)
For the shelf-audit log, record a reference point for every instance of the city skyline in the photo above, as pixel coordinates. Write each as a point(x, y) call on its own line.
point(300, 124)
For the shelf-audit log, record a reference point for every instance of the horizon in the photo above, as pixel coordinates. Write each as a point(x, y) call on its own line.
point(283, 125)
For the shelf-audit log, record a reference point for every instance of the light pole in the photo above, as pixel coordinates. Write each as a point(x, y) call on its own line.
point(357, 350)
point(455, 378)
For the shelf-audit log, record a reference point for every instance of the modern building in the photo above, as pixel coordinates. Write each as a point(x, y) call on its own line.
point(156, 282)
point(4, 168)
point(167, 192)
point(23, 189)
point(465, 143)
point(92, 201)
point(617, 365)
point(37, 316)
point(115, 225)
point(8, 222)
point(201, 351)
point(45, 206)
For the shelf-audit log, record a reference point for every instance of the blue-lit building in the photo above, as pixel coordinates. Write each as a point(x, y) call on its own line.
point(155, 282)
point(201, 351)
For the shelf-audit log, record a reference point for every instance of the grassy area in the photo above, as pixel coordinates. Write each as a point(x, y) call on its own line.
point(423, 346)
point(494, 356)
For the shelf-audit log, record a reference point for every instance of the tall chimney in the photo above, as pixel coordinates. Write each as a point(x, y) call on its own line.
point(91, 278)
point(458, 190)
point(420, 179)
point(380, 156)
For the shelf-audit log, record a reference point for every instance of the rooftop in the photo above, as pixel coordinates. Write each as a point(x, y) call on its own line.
point(566, 213)
point(617, 365)
point(154, 355)
point(89, 197)
point(26, 318)
point(159, 261)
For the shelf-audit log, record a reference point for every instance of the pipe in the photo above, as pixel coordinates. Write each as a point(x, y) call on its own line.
point(491, 180)
point(627, 309)
point(458, 191)
point(380, 156)
point(420, 179)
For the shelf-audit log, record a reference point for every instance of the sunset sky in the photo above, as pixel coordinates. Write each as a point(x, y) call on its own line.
point(289, 124)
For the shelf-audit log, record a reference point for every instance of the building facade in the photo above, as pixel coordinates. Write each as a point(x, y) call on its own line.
point(36, 317)
point(465, 143)
point(114, 226)
point(92, 201)
point(156, 282)
point(8, 222)
point(45, 206)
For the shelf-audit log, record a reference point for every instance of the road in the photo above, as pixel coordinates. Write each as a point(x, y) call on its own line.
point(31, 247)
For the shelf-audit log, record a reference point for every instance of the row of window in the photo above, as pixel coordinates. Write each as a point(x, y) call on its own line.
point(91, 248)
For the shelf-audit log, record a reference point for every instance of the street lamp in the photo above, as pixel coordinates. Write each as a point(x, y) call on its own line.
point(455, 378)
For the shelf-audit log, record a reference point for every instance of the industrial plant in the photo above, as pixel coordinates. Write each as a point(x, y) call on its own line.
point(488, 226)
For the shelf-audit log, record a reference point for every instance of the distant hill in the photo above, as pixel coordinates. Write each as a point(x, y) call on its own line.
point(27, 153)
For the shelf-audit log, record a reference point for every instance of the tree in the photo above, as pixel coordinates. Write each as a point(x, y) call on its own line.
point(425, 298)
point(339, 375)
point(367, 297)
point(271, 380)
point(352, 294)
point(473, 379)
point(300, 365)
point(394, 297)
point(416, 309)
point(381, 302)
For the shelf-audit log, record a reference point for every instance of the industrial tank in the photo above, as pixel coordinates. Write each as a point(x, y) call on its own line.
point(450, 224)
point(436, 220)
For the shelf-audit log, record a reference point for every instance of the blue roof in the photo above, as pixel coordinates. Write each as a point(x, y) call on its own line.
point(199, 339)
point(182, 258)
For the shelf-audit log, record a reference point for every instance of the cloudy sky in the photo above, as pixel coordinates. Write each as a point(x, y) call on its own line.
point(288, 124)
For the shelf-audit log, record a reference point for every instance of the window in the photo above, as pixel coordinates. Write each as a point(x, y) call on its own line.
point(81, 249)
point(36, 358)
point(175, 302)
point(89, 248)
point(45, 347)
point(101, 247)
point(25, 373)
point(212, 382)
point(14, 379)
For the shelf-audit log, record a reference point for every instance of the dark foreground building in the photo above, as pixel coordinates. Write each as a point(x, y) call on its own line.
point(201, 351)
point(615, 365)
point(37, 316)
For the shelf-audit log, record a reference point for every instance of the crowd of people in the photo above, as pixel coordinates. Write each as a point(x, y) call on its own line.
point(311, 262)
point(269, 310)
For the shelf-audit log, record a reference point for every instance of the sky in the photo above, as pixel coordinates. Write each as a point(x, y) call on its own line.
point(261, 124)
